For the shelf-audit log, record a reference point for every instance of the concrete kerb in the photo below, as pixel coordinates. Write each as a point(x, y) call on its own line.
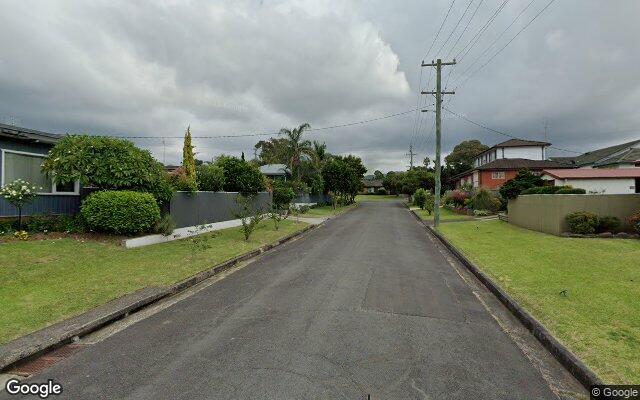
point(569, 360)
point(59, 334)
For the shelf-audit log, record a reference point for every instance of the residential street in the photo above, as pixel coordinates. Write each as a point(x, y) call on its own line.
point(366, 304)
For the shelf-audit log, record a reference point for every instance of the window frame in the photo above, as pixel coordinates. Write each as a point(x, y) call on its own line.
point(501, 175)
point(54, 191)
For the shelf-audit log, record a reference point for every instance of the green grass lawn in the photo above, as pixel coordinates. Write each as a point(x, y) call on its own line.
point(445, 215)
point(45, 281)
point(598, 318)
point(326, 211)
point(377, 197)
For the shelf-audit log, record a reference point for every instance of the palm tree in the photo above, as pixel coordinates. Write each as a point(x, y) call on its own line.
point(319, 154)
point(296, 147)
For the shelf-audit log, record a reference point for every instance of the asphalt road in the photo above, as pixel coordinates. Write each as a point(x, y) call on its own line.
point(364, 305)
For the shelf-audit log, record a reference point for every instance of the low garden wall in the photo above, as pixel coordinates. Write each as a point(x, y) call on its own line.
point(546, 212)
point(190, 209)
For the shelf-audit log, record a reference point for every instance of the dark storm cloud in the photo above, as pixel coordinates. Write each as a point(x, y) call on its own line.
point(150, 68)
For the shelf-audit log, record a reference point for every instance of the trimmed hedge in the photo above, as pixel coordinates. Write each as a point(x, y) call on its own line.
point(120, 212)
point(634, 221)
point(582, 222)
point(609, 224)
point(553, 190)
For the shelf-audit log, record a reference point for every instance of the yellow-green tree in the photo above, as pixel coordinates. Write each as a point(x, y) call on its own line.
point(188, 159)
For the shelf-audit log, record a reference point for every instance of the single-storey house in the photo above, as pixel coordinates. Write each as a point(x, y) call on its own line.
point(596, 180)
point(500, 163)
point(371, 186)
point(625, 155)
point(275, 171)
point(22, 152)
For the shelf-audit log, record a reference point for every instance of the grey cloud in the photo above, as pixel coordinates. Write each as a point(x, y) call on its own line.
point(229, 67)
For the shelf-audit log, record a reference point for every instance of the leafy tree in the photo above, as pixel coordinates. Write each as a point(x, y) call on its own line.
point(465, 153)
point(188, 159)
point(181, 182)
point(429, 202)
point(525, 179)
point(283, 195)
point(378, 175)
point(241, 176)
point(273, 151)
point(107, 163)
point(296, 147)
point(343, 177)
point(426, 162)
point(392, 182)
point(416, 178)
point(210, 177)
point(420, 198)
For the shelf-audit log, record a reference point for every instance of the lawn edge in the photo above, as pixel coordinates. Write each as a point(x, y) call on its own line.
point(69, 330)
point(570, 361)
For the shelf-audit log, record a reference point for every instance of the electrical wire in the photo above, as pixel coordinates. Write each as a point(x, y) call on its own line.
point(497, 131)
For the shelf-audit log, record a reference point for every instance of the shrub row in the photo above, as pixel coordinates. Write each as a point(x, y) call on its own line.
point(44, 224)
point(584, 222)
point(553, 190)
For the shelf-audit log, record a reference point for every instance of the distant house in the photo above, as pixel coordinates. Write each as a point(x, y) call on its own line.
point(22, 152)
point(496, 165)
point(275, 171)
point(597, 180)
point(625, 155)
point(371, 186)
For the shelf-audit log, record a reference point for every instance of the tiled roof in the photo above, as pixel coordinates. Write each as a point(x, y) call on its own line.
point(520, 163)
point(593, 173)
point(372, 183)
point(520, 143)
point(599, 156)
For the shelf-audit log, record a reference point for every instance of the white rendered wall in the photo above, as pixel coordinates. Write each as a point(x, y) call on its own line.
point(530, 153)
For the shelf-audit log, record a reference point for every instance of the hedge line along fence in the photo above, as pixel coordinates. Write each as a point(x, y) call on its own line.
point(546, 212)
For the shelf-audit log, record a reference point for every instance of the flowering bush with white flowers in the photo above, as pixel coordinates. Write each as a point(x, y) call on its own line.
point(19, 193)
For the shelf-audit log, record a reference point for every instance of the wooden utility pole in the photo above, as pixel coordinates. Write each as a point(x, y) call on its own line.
point(438, 93)
point(410, 154)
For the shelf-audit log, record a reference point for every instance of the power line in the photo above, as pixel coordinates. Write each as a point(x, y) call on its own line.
point(499, 132)
point(278, 133)
point(507, 44)
point(455, 27)
point(439, 30)
point(464, 30)
point(472, 64)
point(476, 37)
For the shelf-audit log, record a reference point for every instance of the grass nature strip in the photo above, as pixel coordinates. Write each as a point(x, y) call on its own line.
point(585, 291)
point(46, 281)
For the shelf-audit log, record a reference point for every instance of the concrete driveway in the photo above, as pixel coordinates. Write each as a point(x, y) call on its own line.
point(364, 305)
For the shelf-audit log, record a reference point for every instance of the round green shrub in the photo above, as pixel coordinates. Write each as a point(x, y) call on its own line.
point(582, 222)
point(283, 195)
point(120, 212)
point(420, 198)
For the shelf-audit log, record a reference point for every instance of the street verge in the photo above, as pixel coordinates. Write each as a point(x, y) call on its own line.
point(44, 340)
point(569, 360)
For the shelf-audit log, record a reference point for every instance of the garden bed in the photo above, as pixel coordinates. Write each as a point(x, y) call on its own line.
point(583, 291)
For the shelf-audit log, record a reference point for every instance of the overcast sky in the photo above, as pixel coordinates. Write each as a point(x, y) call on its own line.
point(150, 68)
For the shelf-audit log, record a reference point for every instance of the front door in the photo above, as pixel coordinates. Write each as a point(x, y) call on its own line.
point(637, 185)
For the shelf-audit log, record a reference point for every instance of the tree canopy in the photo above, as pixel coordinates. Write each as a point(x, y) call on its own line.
point(107, 163)
point(465, 153)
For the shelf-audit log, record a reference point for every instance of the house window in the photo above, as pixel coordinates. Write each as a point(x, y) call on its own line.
point(27, 166)
point(497, 175)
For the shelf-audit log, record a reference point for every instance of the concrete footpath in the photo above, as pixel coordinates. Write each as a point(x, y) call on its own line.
point(365, 305)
